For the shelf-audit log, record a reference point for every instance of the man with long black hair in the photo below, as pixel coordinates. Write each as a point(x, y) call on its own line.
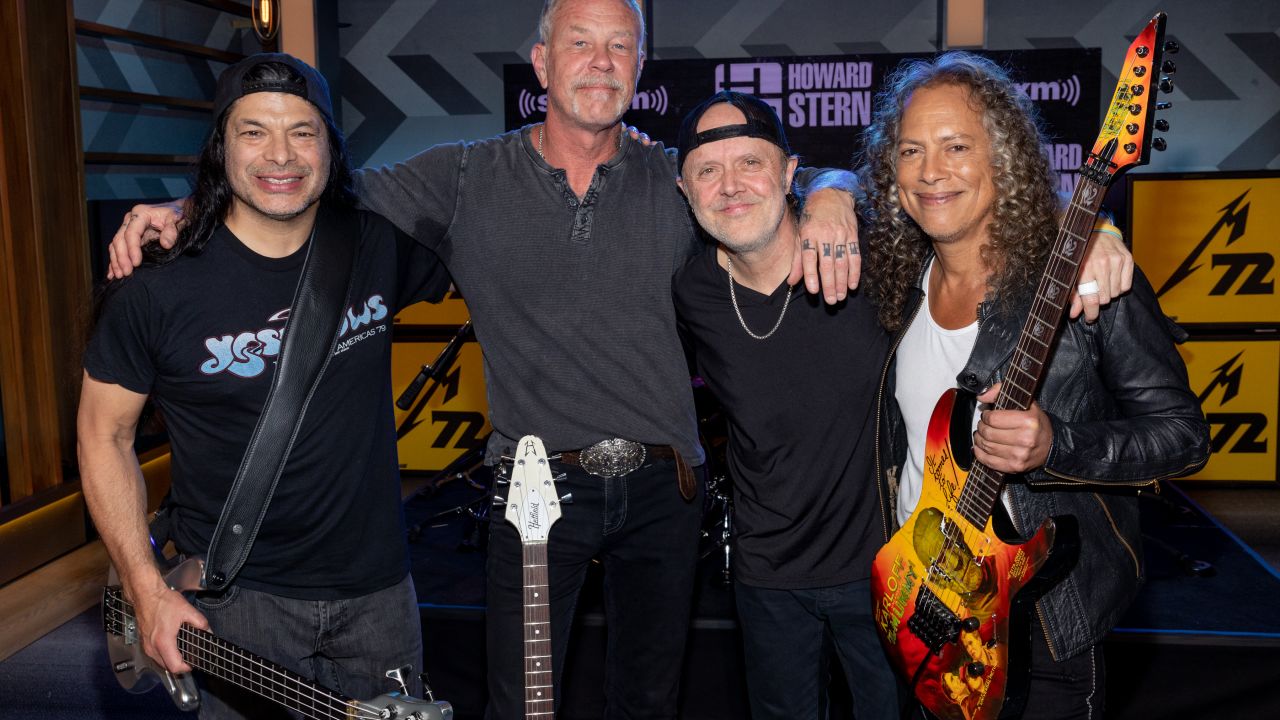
point(325, 590)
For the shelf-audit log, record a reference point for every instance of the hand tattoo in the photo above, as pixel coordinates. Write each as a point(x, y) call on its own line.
point(807, 245)
point(839, 252)
point(826, 249)
point(853, 248)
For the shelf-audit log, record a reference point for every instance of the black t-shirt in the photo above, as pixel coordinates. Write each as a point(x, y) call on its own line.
point(201, 334)
point(801, 415)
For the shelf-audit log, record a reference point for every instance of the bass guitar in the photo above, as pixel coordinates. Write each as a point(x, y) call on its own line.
point(210, 654)
point(952, 596)
point(533, 506)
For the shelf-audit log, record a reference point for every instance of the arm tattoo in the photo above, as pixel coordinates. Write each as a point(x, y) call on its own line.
point(839, 252)
point(826, 249)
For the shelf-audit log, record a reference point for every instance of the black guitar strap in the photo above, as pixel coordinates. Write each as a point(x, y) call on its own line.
point(319, 303)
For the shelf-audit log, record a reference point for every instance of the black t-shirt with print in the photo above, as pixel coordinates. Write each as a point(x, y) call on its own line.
point(201, 334)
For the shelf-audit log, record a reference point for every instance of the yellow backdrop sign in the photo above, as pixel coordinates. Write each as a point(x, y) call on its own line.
point(1208, 245)
point(1238, 384)
point(446, 420)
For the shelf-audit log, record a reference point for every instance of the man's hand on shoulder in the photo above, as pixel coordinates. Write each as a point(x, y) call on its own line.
point(827, 255)
point(142, 225)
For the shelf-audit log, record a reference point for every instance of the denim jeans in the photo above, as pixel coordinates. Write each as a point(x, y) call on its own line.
point(786, 635)
point(345, 645)
point(646, 537)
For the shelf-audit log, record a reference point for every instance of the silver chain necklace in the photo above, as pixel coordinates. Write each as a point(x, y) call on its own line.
point(733, 297)
point(544, 157)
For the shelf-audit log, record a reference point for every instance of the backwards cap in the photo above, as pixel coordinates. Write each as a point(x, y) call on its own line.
point(761, 122)
point(233, 84)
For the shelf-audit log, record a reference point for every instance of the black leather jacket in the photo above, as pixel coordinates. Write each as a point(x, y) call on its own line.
point(1123, 418)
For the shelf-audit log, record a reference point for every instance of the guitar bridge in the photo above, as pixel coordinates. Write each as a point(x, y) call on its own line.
point(933, 622)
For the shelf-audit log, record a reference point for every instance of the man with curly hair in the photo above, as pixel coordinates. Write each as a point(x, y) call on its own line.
point(963, 216)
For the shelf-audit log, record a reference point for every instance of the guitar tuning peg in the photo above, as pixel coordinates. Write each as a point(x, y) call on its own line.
point(499, 501)
point(426, 688)
point(508, 459)
point(554, 457)
point(561, 476)
point(1166, 84)
point(566, 499)
point(1159, 144)
point(1172, 47)
point(1163, 105)
point(1162, 125)
point(399, 674)
point(500, 480)
point(1168, 67)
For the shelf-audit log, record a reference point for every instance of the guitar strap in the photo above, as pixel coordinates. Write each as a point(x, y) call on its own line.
point(318, 305)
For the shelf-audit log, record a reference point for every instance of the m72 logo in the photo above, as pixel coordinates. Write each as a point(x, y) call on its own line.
point(1242, 273)
point(1245, 428)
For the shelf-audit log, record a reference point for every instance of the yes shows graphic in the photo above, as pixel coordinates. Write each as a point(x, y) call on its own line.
point(247, 354)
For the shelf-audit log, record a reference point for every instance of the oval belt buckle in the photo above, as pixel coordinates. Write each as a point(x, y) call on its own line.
point(612, 458)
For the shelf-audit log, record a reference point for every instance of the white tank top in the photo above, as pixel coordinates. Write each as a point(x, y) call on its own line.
point(928, 360)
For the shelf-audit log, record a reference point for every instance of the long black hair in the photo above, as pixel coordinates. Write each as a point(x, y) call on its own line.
point(211, 200)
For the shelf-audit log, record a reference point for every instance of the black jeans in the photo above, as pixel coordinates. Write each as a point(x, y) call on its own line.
point(1074, 689)
point(785, 637)
point(646, 536)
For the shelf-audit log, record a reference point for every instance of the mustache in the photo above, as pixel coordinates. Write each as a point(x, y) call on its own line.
point(597, 80)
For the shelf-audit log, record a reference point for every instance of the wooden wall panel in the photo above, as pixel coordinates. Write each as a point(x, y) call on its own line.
point(44, 275)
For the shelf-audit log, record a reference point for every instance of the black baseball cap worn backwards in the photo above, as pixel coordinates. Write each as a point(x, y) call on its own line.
point(761, 122)
point(311, 86)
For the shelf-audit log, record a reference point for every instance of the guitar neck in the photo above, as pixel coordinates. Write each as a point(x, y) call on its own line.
point(1031, 355)
point(216, 657)
point(539, 695)
point(1026, 368)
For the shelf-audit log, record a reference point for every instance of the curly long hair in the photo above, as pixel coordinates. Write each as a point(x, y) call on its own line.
point(1024, 218)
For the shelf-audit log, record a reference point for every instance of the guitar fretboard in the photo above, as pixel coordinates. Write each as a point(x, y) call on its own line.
point(539, 695)
point(1026, 368)
point(219, 658)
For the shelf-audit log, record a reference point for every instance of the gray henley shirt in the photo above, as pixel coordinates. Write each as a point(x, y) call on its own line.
point(570, 298)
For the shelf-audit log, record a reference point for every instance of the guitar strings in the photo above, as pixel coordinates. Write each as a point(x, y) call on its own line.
point(218, 657)
point(977, 500)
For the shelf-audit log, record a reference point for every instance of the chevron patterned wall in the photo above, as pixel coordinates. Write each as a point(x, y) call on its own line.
point(419, 72)
point(113, 127)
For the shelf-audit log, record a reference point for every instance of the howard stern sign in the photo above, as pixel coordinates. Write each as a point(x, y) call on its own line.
point(826, 101)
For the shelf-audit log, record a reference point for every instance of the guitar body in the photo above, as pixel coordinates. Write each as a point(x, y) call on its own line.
point(134, 670)
point(939, 570)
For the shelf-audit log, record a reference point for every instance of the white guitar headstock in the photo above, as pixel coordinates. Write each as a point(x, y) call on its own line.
point(532, 502)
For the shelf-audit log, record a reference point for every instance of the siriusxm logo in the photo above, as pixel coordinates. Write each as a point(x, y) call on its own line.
point(1067, 91)
point(654, 100)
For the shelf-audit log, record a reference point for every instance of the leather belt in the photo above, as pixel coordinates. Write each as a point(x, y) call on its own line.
point(615, 457)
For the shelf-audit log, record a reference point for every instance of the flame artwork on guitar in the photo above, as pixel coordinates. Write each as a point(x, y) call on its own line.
point(952, 597)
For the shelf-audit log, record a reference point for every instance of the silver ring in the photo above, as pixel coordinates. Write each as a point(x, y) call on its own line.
point(1088, 288)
